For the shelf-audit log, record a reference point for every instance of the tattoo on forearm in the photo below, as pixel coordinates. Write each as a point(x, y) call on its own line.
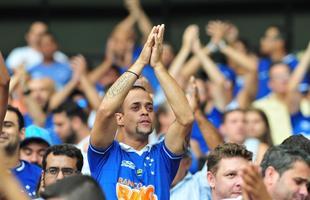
point(120, 85)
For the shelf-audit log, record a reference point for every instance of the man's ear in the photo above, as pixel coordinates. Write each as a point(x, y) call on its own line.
point(271, 176)
point(211, 179)
point(119, 118)
point(22, 134)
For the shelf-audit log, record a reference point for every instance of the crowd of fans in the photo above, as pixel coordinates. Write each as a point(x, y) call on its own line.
point(207, 121)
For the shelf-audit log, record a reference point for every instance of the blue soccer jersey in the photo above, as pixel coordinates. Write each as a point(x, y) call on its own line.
point(301, 124)
point(29, 176)
point(124, 173)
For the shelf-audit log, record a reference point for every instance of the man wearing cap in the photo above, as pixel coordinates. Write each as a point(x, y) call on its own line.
point(33, 147)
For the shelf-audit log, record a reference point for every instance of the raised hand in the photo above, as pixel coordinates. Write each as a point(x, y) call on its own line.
point(196, 46)
point(192, 94)
point(133, 6)
point(253, 186)
point(145, 55)
point(232, 33)
point(216, 30)
point(189, 35)
point(157, 48)
point(79, 66)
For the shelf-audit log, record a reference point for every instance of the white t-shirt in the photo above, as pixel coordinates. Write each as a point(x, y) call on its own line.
point(31, 57)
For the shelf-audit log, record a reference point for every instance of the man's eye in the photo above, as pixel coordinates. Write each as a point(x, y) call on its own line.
point(53, 171)
point(231, 175)
point(135, 108)
point(27, 152)
point(149, 108)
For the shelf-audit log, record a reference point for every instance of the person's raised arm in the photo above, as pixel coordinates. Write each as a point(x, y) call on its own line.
point(215, 75)
point(4, 89)
point(86, 86)
point(104, 129)
point(293, 96)
point(60, 96)
point(95, 75)
point(136, 11)
point(189, 35)
point(177, 136)
point(210, 134)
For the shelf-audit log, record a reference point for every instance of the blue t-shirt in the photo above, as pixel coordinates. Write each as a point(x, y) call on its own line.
point(263, 73)
point(60, 73)
point(215, 117)
point(124, 173)
point(301, 124)
point(29, 176)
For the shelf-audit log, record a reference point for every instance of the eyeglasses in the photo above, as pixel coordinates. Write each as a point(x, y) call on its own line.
point(54, 171)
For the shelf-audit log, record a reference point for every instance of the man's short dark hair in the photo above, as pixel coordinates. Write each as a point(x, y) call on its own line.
point(298, 141)
point(71, 109)
point(282, 158)
point(64, 150)
point(20, 118)
point(226, 113)
point(282, 35)
point(226, 150)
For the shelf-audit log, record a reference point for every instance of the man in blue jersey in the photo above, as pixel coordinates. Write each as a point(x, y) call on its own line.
point(133, 169)
point(10, 137)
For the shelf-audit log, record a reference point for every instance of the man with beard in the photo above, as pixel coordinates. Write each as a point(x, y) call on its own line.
point(70, 123)
point(133, 169)
point(10, 137)
point(286, 173)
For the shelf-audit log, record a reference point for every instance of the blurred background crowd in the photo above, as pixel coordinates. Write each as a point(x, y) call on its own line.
point(252, 81)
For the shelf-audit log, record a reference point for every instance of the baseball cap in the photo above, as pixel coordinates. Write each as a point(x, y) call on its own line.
point(35, 133)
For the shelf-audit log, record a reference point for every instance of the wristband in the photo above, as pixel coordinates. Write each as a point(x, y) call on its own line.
point(212, 47)
point(222, 44)
point(133, 73)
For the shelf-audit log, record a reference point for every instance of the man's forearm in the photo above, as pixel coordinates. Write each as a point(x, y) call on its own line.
point(175, 95)
point(90, 92)
point(178, 62)
point(209, 132)
point(118, 91)
point(4, 89)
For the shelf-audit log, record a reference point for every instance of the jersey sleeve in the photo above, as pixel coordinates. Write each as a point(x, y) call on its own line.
point(97, 157)
point(169, 160)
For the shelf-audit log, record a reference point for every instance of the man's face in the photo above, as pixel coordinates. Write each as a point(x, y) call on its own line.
point(226, 182)
point(35, 32)
point(269, 41)
point(48, 46)
point(137, 117)
point(10, 135)
point(234, 127)
point(41, 90)
point(279, 77)
point(62, 126)
point(291, 185)
point(55, 165)
point(33, 152)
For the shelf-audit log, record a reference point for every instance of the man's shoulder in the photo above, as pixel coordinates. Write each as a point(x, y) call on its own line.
point(34, 169)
